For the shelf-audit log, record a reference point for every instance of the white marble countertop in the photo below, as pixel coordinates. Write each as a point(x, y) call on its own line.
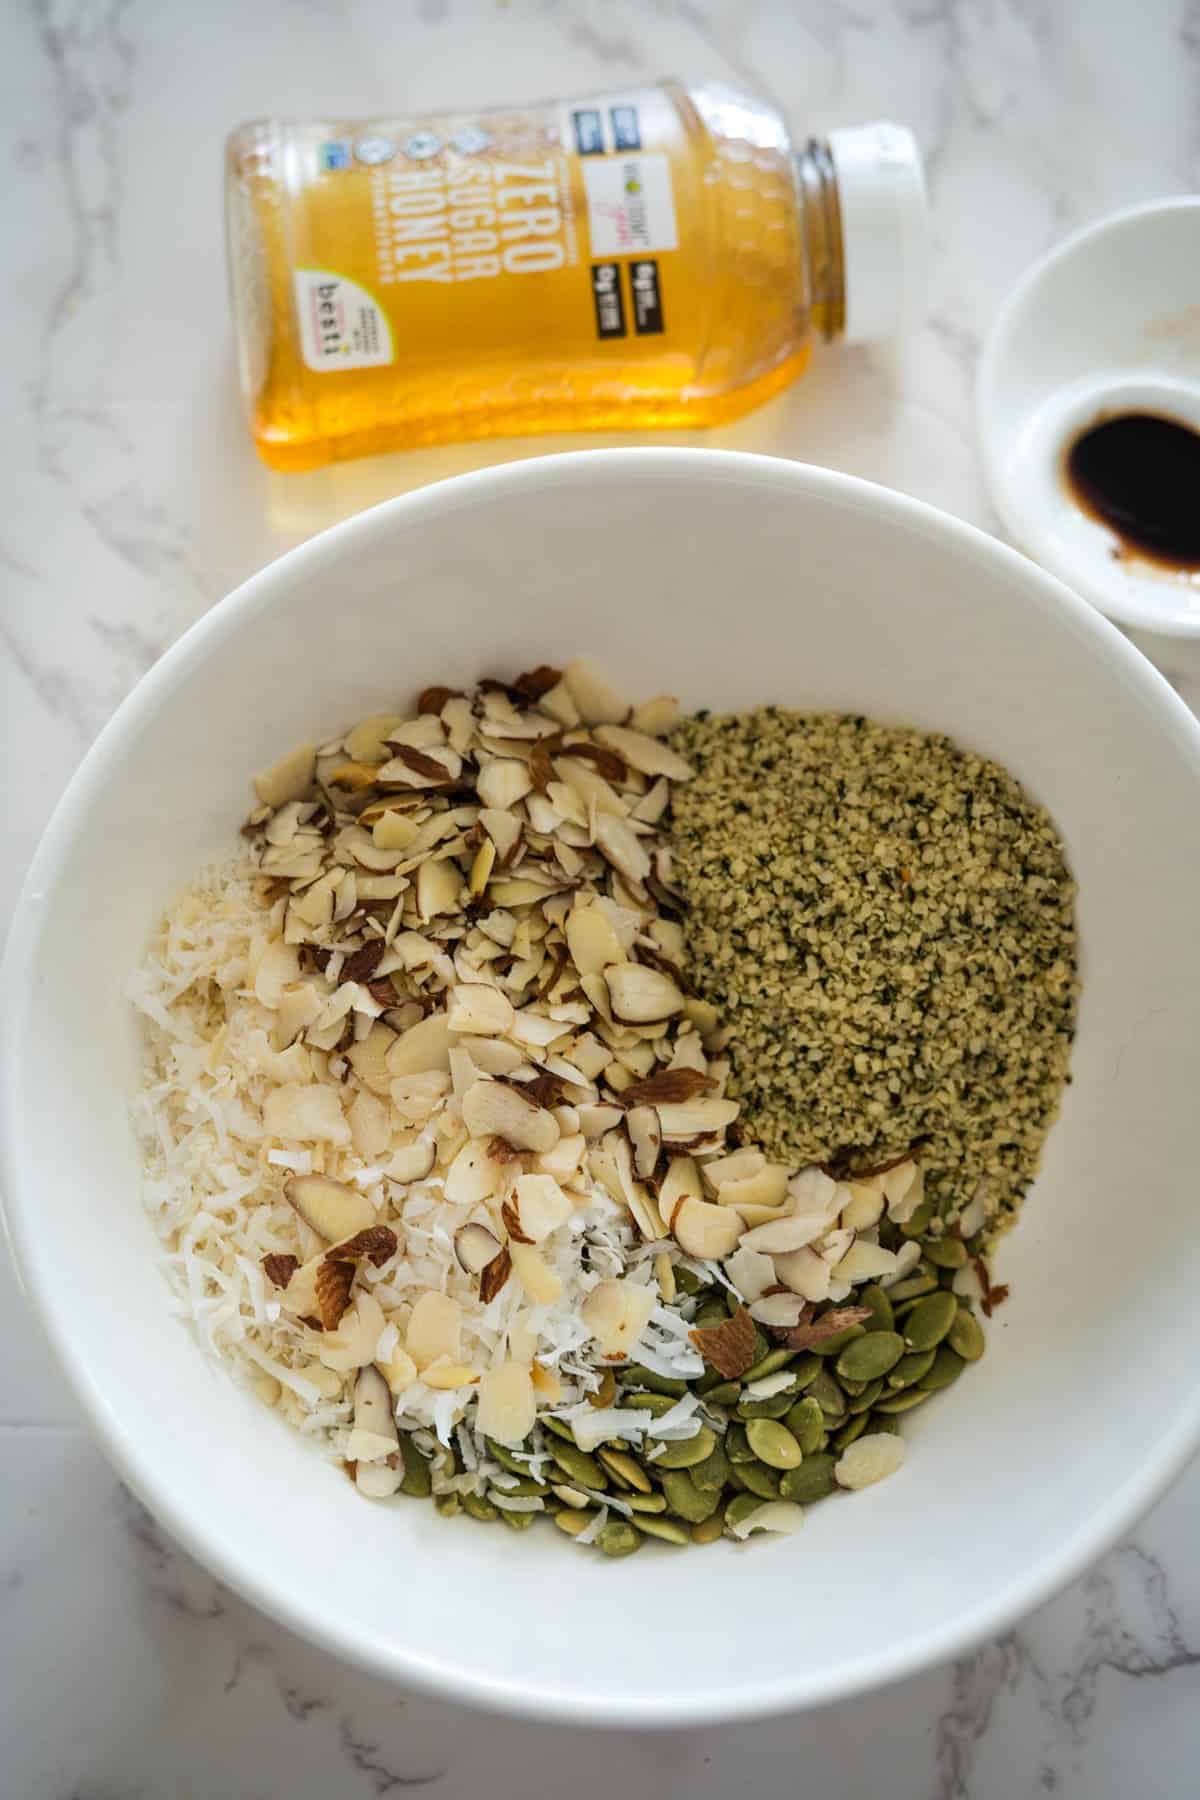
point(135, 501)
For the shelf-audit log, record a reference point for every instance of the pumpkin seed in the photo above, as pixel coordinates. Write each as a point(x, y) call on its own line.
point(736, 1446)
point(889, 1427)
point(740, 1509)
point(624, 1468)
point(946, 1253)
point(724, 1394)
point(865, 1401)
point(929, 1322)
point(918, 1224)
point(572, 1521)
point(947, 1367)
point(686, 1499)
point(558, 1429)
point(669, 1530)
point(480, 1507)
point(902, 1402)
point(526, 1488)
point(811, 1481)
point(806, 1422)
point(909, 1370)
point(852, 1389)
point(871, 1356)
point(912, 1287)
point(449, 1505)
point(707, 1531)
point(618, 1538)
point(417, 1477)
point(853, 1428)
point(828, 1396)
point(685, 1453)
point(634, 1375)
point(755, 1478)
point(645, 1503)
point(833, 1346)
point(578, 1466)
point(506, 1459)
point(774, 1408)
point(713, 1312)
point(658, 1404)
point(687, 1281)
point(774, 1360)
point(713, 1472)
point(773, 1444)
point(965, 1336)
point(710, 1379)
point(806, 1369)
point(606, 1393)
point(520, 1521)
point(882, 1317)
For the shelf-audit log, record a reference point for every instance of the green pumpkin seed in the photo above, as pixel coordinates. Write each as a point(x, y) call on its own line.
point(756, 1478)
point(519, 1521)
point(806, 1422)
point(712, 1312)
point(828, 1396)
point(740, 1509)
point(774, 1408)
point(912, 1287)
point(946, 1278)
point(947, 1367)
point(876, 1298)
point(773, 1444)
point(811, 1481)
point(853, 1428)
point(573, 1521)
point(634, 1375)
point(645, 1503)
point(658, 1404)
point(919, 1222)
point(833, 1346)
point(449, 1505)
point(707, 1531)
point(888, 1427)
point(526, 1488)
point(965, 1336)
point(685, 1453)
point(687, 1281)
point(928, 1323)
point(505, 1457)
point(902, 1402)
point(686, 1499)
point(770, 1364)
point(623, 1467)
point(736, 1447)
point(704, 1384)
point(724, 1394)
point(870, 1356)
point(619, 1538)
point(909, 1370)
point(480, 1507)
point(865, 1401)
point(558, 1429)
point(852, 1389)
point(669, 1530)
point(806, 1369)
point(713, 1472)
point(946, 1253)
point(418, 1480)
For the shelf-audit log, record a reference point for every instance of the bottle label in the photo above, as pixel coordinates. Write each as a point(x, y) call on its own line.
point(423, 243)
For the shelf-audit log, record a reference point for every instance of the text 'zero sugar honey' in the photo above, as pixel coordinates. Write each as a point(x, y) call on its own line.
point(657, 258)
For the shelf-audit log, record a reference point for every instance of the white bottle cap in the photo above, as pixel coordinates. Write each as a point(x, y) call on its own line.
point(881, 192)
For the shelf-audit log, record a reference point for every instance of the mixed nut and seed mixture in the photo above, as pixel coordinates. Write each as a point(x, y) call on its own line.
point(456, 1157)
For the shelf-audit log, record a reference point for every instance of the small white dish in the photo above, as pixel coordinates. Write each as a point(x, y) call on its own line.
point(1108, 323)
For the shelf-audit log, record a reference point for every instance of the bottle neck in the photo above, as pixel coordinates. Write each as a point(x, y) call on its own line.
point(821, 228)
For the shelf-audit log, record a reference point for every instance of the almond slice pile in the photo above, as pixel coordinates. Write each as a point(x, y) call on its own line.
point(480, 1034)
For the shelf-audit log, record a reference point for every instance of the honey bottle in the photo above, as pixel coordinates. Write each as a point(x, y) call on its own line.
point(658, 258)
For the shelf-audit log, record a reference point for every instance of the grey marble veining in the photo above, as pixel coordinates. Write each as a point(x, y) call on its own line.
point(133, 502)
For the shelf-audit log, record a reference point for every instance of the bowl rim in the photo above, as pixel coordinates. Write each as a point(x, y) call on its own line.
point(1128, 609)
point(1096, 1534)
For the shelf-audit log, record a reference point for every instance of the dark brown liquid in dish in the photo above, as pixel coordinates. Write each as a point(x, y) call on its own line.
point(1140, 475)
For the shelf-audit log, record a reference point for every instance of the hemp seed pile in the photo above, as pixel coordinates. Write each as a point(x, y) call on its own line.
point(886, 924)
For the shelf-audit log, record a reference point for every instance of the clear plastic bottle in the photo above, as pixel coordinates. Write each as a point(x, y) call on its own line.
point(662, 257)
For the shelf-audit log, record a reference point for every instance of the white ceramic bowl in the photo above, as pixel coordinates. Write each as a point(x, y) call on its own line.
point(731, 580)
point(1106, 323)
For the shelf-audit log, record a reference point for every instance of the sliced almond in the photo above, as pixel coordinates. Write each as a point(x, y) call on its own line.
point(330, 1208)
point(502, 782)
point(639, 994)
point(865, 1262)
point(422, 1048)
point(301, 1112)
point(645, 753)
point(439, 888)
point(597, 701)
point(495, 1109)
point(622, 848)
point(869, 1459)
point(595, 1120)
point(805, 1273)
point(793, 1231)
point(562, 1162)
point(492, 1056)
point(645, 1136)
point(479, 1009)
point(434, 1329)
point(682, 1181)
point(473, 1176)
point(616, 1313)
point(399, 1370)
point(393, 830)
point(541, 1205)
point(288, 779)
point(543, 1286)
point(656, 717)
point(766, 1188)
point(278, 965)
point(411, 1162)
point(504, 831)
point(739, 1165)
point(557, 704)
point(696, 1119)
point(507, 1405)
point(370, 1125)
point(352, 1345)
point(591, 939)
point(705, 1231)
point(368, 1059)
point(778, 1310)
point(751, 1272)
point(864, 1208)
point(445, 1374)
